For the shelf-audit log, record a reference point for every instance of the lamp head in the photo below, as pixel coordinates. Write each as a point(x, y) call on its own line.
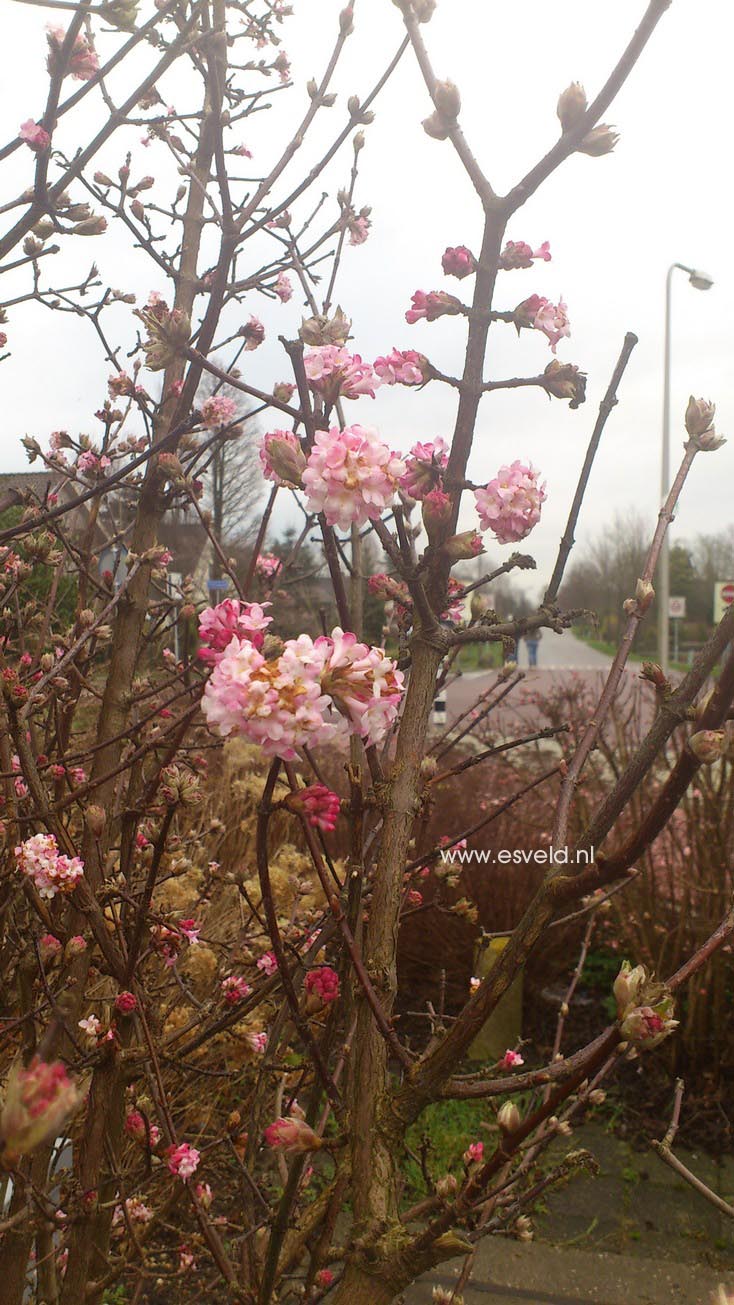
point(700, 280)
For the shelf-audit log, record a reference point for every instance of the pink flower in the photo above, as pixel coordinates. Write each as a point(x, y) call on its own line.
point(34, 136)
point(190, 930)
point(234, 989)
point(319, 805)
point(229, 620)
point(258, 1042)
point(474, 1154)
point(459, 262)
point(423, 468)
point(90, 1026)
point(511, 1060)
point(39, 858)
point(219, 410)
point(351, 476)
point(358, 226)
point(510, 504)
point(363, 682)
point(135, 1128)
point(539, 314)
point(38, 1101)
point(282, 458)
point(253, 333)
point(126, 1003)
point(324, 984)
point(432, 305)
point(186, 1259)
point(324, 1278)
point(291, 1135)
point(268, 964)
point(402, 367)
point(137, 1212)
point(49, 947)
point(283, 288)
point(517, 254)
point(267, 565)
point(414, 897)
point(183, 1161)
point(82, 62)
point(92, 464)
point(336, 373)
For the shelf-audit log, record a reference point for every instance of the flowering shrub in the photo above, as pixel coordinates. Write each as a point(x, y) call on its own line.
point(212, 847)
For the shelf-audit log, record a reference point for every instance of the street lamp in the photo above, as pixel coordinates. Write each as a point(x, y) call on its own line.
point(700, 281)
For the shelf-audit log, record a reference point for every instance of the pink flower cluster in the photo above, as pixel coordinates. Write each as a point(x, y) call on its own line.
point(539, 314)
point(319, 804)
point(432, 305)
point(358, 226)
point(510, 1060)
point(459, 262)
point(267, 565)
point(402, 367)
point(183, 1161)
point(291, 1135)
point(283, 288)
point(268, 964)
point(82, 62)
point(423, 468)
point(518, 254)
point(510, 504)
point(335, 373)
point(34, 136)
point(279, 705)
point(282, 457)
point(38, 1099)
point(351, 476)
point(219, 410)
point(253, 333)
point(324, 984)
point(311, 694)
point(235, 989)
point(135, 1127)
point(229, 620)
point(39, 858)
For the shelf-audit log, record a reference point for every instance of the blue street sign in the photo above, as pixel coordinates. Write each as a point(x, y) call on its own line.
point(217, 584)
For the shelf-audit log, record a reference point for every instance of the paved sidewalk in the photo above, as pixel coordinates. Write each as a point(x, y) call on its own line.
point(508, 1273)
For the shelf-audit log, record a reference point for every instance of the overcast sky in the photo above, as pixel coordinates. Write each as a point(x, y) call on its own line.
point(614, 225)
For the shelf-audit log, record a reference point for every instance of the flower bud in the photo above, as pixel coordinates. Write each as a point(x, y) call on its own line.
point(644, 595)
point(464, 546)
point(654, 674)
point(283, 391)
point(435, 127)
point(424, 10)
point(93, 226)
point(508, 1117)
point(447, 100)
point(292, 1136)
point(628, 986)
point(699, 416)
point(600, 140)
point(95, 819)
point(446, 1186)
point(708, 745)
point(436, 511)
point(38, 1101)
point(572, 105)
point(346, 20)
point(565, 381)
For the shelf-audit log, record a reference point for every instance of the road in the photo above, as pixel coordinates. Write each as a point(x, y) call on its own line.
point(559, 657)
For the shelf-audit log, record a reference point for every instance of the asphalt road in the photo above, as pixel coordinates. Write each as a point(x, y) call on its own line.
point(560, 656)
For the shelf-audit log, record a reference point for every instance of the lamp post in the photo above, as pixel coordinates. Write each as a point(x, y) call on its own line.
point(700, 281)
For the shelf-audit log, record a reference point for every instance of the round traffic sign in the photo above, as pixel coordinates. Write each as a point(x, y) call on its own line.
point(727, 595)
